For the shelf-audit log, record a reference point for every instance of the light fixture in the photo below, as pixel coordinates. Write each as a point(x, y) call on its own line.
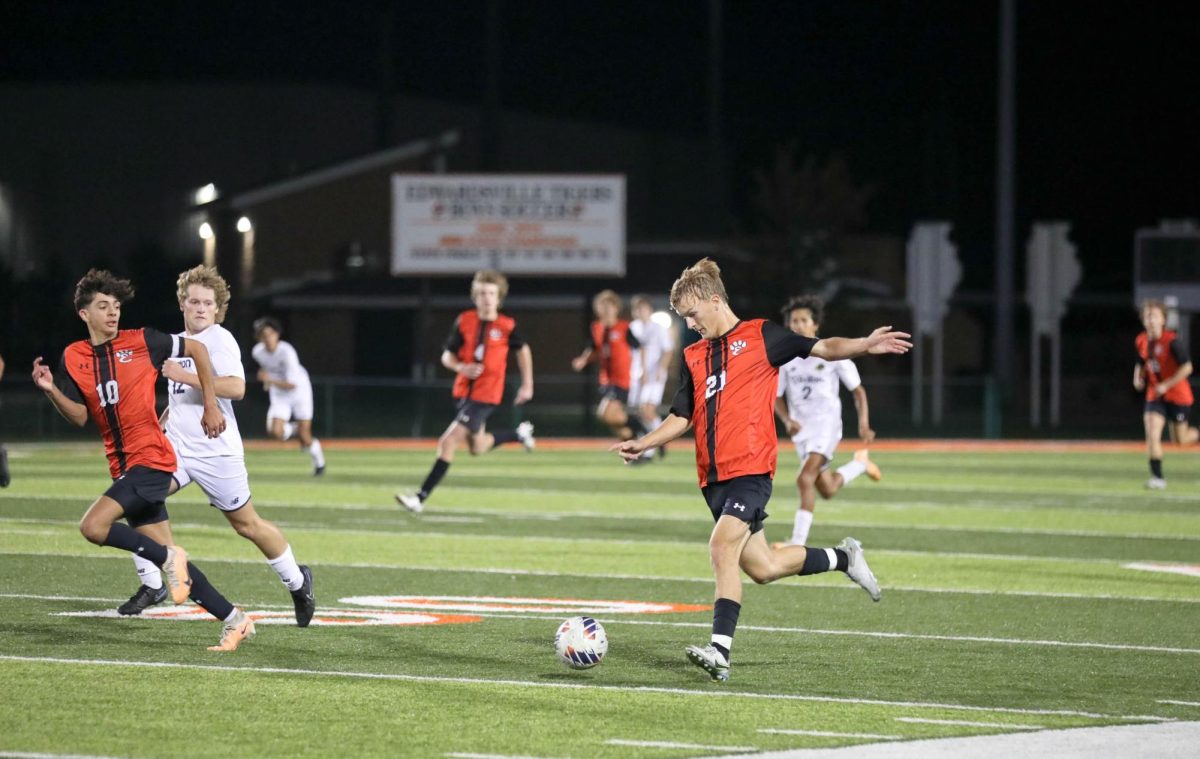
point(207, 193)
point(661, 318)
point(244, 225)
point(206, 231)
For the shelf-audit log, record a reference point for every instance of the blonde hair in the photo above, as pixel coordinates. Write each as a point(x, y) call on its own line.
point(205, 276)
point(702, 280)
point(1149, 303)
point(490, 277)
point(606, 296)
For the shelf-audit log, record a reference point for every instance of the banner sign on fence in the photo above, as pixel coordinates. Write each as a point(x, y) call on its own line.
point(568, 225)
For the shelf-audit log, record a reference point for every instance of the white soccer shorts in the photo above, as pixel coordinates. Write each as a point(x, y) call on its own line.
point(819, 436)
point(651, 393)
point(222, 478)
point(295, 405)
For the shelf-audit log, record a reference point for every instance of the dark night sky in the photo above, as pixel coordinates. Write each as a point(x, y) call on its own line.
point(1107, 96)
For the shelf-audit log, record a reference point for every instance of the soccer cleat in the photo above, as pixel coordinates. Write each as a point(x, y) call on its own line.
point(525, 435)
point(238, 629)
point(863, 458)
point(175, 571)
point(305, 601)
point(4, 477)
point(710, 660)
point(143, 599)
point(1156, 483)
point(857, 568)
point(410, 501)
point(318, 470)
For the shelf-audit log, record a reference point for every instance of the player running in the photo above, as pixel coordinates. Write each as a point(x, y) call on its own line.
point(287, 384)
point(810, 408)
point(217, 464)
point(650, 365)
point(110, 377)
point(726, 394)
point(1162, 371)
point(477, 352)
point(611, 344)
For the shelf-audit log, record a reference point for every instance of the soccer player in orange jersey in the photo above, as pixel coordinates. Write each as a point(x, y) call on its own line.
point(611, 344)
point(477, 352)
point(727, 395)
point(1162, 371)
point(110, 378)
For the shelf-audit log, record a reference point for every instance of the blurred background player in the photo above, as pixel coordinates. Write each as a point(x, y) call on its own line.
point(727, 386)
point(477, 352)
point(110, 378)
point(1162, 371)
point(4, 476)
point(611, 345)
point(810, 407)
point(651, 363)
point(217, 464)
point(287, 383)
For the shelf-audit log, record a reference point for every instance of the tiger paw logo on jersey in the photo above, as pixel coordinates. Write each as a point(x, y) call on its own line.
point(125, 356)
point(495, 334)
point(737, 346)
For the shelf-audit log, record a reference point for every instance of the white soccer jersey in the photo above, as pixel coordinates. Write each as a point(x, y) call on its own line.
point(655, 340)
point(186, 404)
point(811, 387)
point(284, 365)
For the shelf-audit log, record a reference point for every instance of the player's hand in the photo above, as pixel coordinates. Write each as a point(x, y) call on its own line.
point(792, 427)
point(884, 340)
point(524, 395)
point(1161, 389)
point(213, 421)
point(471, 371)
point(1139, 383)
point(42, 376)
point(176, 373)
point(628, 450)
point(578, 363)
point(866, 434)
point(263, 377)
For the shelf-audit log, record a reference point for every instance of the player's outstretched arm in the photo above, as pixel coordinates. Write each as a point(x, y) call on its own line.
point(671, 428)
point(882, 340)
point(75, 413)
point(580, 361)
point(525, 365)
point(213, 421)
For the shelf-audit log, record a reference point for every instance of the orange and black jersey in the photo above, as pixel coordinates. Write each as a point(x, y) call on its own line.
point(727, 389)
point(613, 348)
point(1160, 359)
point(115, 380)
point(477, 341)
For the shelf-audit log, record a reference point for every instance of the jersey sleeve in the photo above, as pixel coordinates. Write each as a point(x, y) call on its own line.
point(291, 365)
point(668, 342)
point(454, 340)
point(632, 338)
point(685, 396)
point(227, 359)
point(162, 346)
point(516, 340)
point(783, 345)
point(781, 386)
point(848, 374)
point(1179, 352)
point(65, 382)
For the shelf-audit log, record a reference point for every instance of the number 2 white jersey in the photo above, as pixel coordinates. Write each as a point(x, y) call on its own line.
point(811, 387)
point(186, 404)
point(655, 340)
point(284, 365)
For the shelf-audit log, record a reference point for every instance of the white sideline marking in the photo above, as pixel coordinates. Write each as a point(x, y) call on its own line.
point(704, 625)
point(32, 755)
point(1179, 703)
point(651, 578)
point(670, 745)
point(828, 734)
point(968, 723)
point(581, 686)
point(461, 755)
point(1191, 570)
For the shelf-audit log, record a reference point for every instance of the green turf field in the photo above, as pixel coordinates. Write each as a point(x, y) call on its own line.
point(1008, 604)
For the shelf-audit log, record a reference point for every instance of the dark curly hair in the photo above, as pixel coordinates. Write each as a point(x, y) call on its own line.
point(103, 282)
point(814, 304)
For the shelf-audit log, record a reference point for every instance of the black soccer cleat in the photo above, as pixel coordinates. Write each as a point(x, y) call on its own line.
point(4, 478)
point(304, 599)
point(142, 600)
point(318, 470)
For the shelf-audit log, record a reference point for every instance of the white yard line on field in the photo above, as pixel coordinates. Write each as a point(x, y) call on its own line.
point(1179, 703)
point(969, 723)
point(676, 746)
point(706, 693)
point(829, 734)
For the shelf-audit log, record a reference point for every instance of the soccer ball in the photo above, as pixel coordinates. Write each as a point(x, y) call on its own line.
point(580, 643)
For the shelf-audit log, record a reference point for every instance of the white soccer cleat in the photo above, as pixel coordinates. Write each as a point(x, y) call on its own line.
point(872, 469)
point(525, 435)
point(1156, 483)
point(710, 660)
point(411, 502)
point(857, 568)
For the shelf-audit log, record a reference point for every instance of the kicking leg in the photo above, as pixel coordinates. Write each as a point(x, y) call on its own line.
point(1154, 428)
point(274, 546)
point(454, 436)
